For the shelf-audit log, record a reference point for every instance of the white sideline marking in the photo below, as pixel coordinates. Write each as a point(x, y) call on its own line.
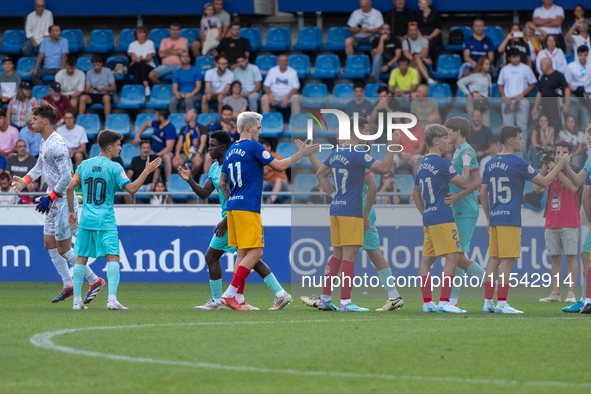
point(44, 340)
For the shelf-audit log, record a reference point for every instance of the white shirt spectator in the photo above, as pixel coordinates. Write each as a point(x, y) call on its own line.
point(579, 139)
point(9, 198)
point(575, 76)
point(143, 50)
point(558, 60)
point(551, 13)
point(280, 83)
point(370, 20)
point(71, 83)
point(38, 26)
point(416, 46)
point(516, 79)
point(218, 82)
point(73, 138)
point(578, 40)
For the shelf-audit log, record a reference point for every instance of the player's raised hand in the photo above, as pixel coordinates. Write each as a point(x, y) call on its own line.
point(152, 165)
point(73, 220)
point(309, 148)
point(395, 137)
point(18, 184)
point(417, 160)
point(299, 144)
point(562, 160)
point(466, 158)
point(184, 172)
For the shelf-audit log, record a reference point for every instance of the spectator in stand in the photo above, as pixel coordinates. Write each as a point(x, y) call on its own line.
point(384, 105)
point(515, 39)
point(60, 102)
point(32, 187)
point(9, 81)
point(552, 87)
point(20, 105)
point(416, 48)
point(477, 86)
point(7, 193)
point(494, 147)
point(388, 185)
point(399, 17)
point(542, 135)
point(281, 86)
point(32, 139)
point(52, 54)
point(480, 135)
point(37, 27)
point(475, 46)
point(386, 51)
point(571, 133)
point(234, 46)
point(186, 84)
point(160, 199)
point(170, 52)
point(516, 81)
point(100, 83)
point(75, 138)
point(20, 164)
point(217, 84)
point(412, 149)
point(404, 80)
point(227, 124)
point(273, 181)
point(555, 54)
point(71, 81)
point(359, 104)
point(138, 164)
point(210, 31)
point(578, 76)
point(8, 138)
point(580, 39)
point(224, 18)
point(142, 52)
point(235, 99)
point(578, 13)
point(535, 44)
point(549, 17)
point(163, 138)
point(423, 106)
point(319, 199)
point(190, 144)
point(430, 26)
point(249, 76)
point(435, 119)
point(364, 24)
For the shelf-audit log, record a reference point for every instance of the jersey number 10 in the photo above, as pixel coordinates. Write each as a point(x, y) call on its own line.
point(94, 189)
point(500, 190)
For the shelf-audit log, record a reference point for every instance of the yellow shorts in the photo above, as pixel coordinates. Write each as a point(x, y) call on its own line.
point(505, 242)
point(441, 239)
point(245, 230)
point(346, 230)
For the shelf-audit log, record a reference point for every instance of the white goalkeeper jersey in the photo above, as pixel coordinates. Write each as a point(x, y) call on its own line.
point(54, 161)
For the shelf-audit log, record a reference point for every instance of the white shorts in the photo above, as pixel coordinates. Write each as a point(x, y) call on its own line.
point(56, 223)
point(559, 240)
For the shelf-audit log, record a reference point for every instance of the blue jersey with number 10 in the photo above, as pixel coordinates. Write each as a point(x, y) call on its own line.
point(433, 176)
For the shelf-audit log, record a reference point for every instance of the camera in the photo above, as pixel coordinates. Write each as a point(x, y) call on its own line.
point(518, 34)
point(548, 155)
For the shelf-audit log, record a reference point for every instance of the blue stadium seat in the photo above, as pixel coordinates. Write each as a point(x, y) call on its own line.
point(75, 39)
point(265, 62)
point(177, 184)
point(253, 34)
point(161, 96)
point(298, 125)
point(335, 40)
point(140, 120)
point(495, 33)
point(120, 123)
point(309, 39)
point(40, 90)
point(328, 131)
point(300, 63)
point(441, 92)
point(191, 34)
point(101, 41)
point(205, 119)
point(128, 152)
point(356, 67)
point(132, 97)
point(371, 91)
point(204, 63)
point(124, 59)
point(278, 39)
point(326, 67)
point(24, 66)
point(378, 154)
point(84, 64)
point(95, 150)
point(570, 57)
point(467, 30)
point(178, 120)
point(342, 95)
point(321, 156)
point(13, 41)
point(405, 183)
point(315, 95)
point(271, 124)
point(125, 38)
point(448, 67)
point(284, 149)
point(157, 35)
point(462, 114)
point(461, 100)
point(91, 123)
point(304, 183)
point(496, 123)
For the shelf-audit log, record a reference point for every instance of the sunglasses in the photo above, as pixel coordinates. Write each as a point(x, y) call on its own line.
point(412, 23)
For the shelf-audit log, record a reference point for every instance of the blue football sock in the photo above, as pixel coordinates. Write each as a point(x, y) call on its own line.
point(389, 285)
point(113, 276)
point(216, 288)
point(476, 270)
point(78, 278)
point(456, 289)
point(272, 283)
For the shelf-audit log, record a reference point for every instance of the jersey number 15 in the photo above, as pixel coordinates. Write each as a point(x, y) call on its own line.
point(500, 189)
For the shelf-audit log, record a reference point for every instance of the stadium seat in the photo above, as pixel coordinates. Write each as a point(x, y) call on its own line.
point(95, 150)
point(205, 119)
point(177, 184)
point(191, 34)
point(298, 125)
point(75, 39)
point(495, 33)
point(304, 183)
point(321, 156)
point(204, 63)
point(570, 57)
point(132, 97)
point(326, 67)
point(335, 40)
point(405, 183)
point(496, 123)
point(461, 100)
point(128, 152)
point(356, 67)
point(140, 120)
point(101, 41)
point(39, 91)
point(462, 114)
point(309, 39)
point(125, 38)
point(448, 67)
point(101, 106)
point(13, 41)
point(300, 63)
point(496, 96)
point(284, 149)
point(315, 95)
point(467, 30)
point(265, 62)
point(161, 96)
point(178, 120)
point(378, 153)
point(123, 59)
point(91, 123)
point(24, 66)
point(84, 64)
point(342, 95)
point(441, 92)
point(120, 123)
point(278, 39)
point(157, 35)
point(271, 124)
point(253, 34)
point(371, 91)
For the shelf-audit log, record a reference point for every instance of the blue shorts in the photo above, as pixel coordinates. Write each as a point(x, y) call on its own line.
point(371, 238)
point(363, 41)
point(587, 243)
point(2, 163)
point(97, 243)
point(163, 70)
point(466, 227)
point(221, 243)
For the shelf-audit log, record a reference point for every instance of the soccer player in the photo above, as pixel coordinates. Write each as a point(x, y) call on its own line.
point(101, 178)
point(349, 218)
point(241, 184)
point(586, 308)
point(441, 234)
point(54, 163)
point(219, 142)
point(463, 202)
point(500, 195)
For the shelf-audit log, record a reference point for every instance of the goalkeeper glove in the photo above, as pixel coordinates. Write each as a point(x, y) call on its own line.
point(44, 203)
point(18, 183)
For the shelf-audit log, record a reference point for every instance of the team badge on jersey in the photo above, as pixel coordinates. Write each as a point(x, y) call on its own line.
point(452, 170)
point(367, 157)
point(530, 169)
point(124, 175)
point(45, 155)
point(266, 155)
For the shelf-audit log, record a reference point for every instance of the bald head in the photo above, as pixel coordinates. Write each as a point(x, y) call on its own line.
point(39, 7)
point(423, 91)
point(546, 65)
point(365, 5)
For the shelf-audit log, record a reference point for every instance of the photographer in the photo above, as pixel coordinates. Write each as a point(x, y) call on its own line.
point(563, 220)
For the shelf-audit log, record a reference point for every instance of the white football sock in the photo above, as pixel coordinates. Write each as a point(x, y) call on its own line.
point(393, 294)
point(231, 291)
point(501, 304)
point(78, 299)
point(345, 301)
point(61, 265)
point(240, 298)
point(113, 298)
point(453, 301)
point(88, 272)
point(281, 293)
point(326, 298)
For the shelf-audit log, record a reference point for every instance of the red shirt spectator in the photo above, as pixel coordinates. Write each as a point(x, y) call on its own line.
point(59, 101)
point(410, 146)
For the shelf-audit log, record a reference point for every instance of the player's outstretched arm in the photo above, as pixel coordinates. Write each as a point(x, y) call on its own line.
point(372, 190)
point(545, 181)
point(463, 180)
point(577, 179)
point(383, 167)
point(202, 192)
point(323, 175)
point(71, 195)
point(586, 202)
point(224, 187)
point(418, 198)
point(307, 149)
point(151, 166)
point(315, 163)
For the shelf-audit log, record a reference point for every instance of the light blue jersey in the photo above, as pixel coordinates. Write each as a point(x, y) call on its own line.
point(214, 175)
point(467, 207)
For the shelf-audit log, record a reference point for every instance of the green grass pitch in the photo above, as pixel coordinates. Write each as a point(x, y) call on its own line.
point(166, 346)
